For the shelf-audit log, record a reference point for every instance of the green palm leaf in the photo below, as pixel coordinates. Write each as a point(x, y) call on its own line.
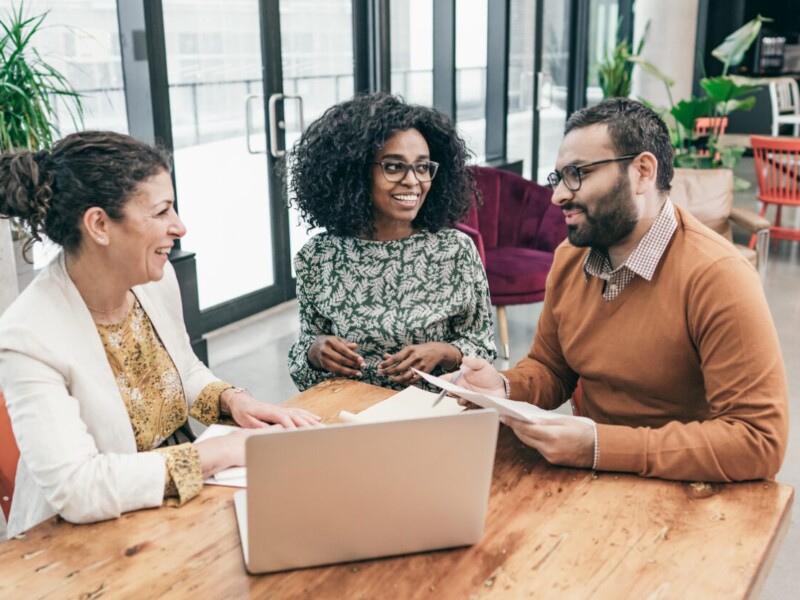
point(29, 86)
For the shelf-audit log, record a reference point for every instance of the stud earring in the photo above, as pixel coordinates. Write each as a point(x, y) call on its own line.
point(101, 239)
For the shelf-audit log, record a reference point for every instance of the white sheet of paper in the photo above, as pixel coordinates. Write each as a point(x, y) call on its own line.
point(232, 477)
point(509, 408)
point(411, 403)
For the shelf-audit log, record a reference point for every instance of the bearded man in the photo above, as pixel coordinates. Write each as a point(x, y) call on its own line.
point(661, 319)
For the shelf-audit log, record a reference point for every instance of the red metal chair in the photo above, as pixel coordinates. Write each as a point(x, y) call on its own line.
point(777, 163)
point(9, 457)
point(707, 126)
point(516, 231)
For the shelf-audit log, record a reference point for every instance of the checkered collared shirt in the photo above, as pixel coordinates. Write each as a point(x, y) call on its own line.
point(642, 261)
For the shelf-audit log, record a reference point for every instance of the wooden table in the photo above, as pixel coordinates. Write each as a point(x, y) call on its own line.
point(550, 533)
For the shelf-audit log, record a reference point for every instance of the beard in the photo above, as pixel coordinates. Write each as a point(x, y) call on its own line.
point(612, 220)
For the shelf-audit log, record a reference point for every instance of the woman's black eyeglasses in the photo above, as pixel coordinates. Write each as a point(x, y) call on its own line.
point(571, 174)
point(395, 170)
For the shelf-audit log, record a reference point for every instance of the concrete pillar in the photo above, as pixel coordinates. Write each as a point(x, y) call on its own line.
point(670, 46)
point(8, 270)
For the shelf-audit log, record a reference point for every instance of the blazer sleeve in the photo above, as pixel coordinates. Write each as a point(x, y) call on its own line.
point(79, 482)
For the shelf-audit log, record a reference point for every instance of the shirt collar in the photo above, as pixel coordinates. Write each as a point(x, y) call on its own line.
point(644, 259)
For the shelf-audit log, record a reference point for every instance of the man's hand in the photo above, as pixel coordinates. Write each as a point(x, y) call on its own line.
point(479, 376)
point(336, 355)
point(423, 357)
point(564, 441)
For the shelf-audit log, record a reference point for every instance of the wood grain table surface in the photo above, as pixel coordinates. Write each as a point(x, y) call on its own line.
point(550, 533)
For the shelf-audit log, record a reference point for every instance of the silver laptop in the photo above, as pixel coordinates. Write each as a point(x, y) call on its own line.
point(356, 491)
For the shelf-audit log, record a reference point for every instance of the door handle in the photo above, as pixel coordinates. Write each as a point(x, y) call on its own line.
point(248, 124)
point(275, 124)
point(543, 78)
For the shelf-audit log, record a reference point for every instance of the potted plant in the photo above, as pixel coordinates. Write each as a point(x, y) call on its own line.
point(723, 95)
point(29, 86)
point(614, 71)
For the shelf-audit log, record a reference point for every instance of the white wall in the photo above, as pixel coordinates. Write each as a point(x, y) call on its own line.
point(670, 46)
point(8, 271)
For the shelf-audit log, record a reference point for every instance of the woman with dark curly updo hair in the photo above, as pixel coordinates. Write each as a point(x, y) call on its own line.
point(95, 363)
point(390, 285)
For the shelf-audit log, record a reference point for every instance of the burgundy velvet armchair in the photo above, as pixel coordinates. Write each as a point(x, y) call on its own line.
point(516, 232)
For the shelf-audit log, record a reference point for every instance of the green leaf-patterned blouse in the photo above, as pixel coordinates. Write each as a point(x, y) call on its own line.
point(384, 296)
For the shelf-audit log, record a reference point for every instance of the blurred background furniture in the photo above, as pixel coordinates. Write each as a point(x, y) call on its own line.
point(777, 162)
point(708, 195)
point(706, 126)
point(9, 456)
point(516, 232)
point(784, 100)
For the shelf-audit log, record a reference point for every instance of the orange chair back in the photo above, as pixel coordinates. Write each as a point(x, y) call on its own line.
point(707, 125)
point(777, 162)
point(9, 457)
point(716, 125)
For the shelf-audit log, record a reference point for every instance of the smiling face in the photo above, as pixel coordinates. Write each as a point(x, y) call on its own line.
point(396, 205)
point(602, 213)
point(141, 241)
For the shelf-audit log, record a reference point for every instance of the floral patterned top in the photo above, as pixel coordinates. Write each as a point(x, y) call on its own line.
point(385, 296)
point(153, 394)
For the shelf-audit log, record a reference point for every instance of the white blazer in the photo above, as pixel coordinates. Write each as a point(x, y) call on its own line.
point(78, 452)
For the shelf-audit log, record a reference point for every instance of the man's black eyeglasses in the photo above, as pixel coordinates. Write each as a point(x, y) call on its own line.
point(395, 170)
point(571, 174)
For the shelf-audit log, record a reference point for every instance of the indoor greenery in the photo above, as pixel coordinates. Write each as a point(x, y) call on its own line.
point(29, 87)
point(614, 71)
point(723, 95)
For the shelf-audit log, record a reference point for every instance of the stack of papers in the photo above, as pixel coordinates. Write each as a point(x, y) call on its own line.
point(411, 403)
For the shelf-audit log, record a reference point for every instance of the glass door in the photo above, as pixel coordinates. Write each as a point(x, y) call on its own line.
point(317, 66)
point(214, 64)
point(231, 66)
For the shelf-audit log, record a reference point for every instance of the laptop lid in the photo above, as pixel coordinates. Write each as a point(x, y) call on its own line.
point(357, 491)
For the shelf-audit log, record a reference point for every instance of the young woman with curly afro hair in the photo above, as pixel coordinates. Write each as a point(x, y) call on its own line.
point(390, 285)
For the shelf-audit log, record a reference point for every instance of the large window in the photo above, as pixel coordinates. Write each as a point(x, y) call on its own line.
point(412, 50)
point(553, 84)
point(471, 27)
point(603, 25)
point(521, 73)
point(80, 38)
point(214, 66)
point(317, 63)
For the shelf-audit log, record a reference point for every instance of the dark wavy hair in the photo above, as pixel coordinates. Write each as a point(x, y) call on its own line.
point(330, 169)
point(50, 190)
point(633, 128)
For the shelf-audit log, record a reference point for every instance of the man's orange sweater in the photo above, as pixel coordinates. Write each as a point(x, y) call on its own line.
point(683, 374)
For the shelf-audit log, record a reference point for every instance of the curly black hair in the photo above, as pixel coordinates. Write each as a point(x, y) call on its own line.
point(330, 168)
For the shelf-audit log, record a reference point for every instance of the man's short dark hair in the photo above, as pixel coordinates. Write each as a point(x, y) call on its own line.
point(633, 129)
